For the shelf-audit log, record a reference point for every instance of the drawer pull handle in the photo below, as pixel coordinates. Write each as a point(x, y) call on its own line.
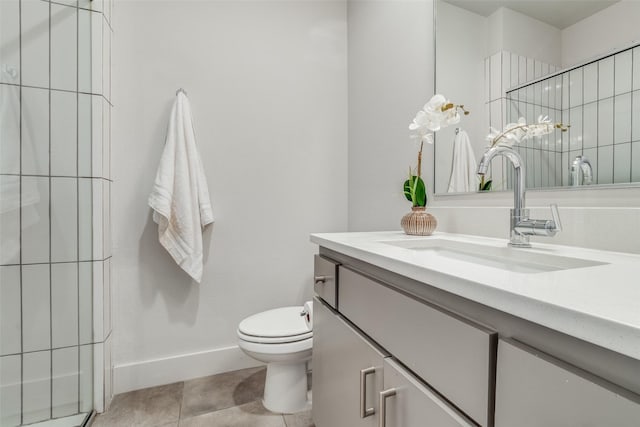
point(364, 411)
point(320, 279)
point(383, 405)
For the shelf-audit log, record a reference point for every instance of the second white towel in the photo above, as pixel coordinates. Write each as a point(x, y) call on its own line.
point(464, 167)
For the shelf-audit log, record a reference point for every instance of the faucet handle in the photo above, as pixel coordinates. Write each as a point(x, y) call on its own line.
point(539, 227)
point(556, 216)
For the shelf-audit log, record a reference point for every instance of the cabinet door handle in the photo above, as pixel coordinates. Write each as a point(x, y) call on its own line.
point(382, 419)
point(364, 411)
point(320, 279)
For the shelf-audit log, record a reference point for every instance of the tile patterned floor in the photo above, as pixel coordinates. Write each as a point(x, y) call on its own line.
point(232, 399)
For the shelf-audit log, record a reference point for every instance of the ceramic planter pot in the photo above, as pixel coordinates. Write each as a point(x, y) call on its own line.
point(418, 222)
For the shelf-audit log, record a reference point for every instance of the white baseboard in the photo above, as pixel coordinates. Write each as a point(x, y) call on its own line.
point(72, 420)
point(150, 373)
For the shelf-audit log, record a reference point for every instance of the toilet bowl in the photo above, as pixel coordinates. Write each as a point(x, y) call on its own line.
point(281, 339)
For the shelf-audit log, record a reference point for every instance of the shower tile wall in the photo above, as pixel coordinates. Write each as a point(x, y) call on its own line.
point(504, 70)
point(542, 155)
point(598, 101)
point(55, 188)
point(602, 105)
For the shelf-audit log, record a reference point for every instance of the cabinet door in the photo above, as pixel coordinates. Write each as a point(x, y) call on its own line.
point(339, 355)
point(411, 404)
point(536, 390)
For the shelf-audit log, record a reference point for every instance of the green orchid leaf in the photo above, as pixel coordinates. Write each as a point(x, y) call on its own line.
point(420, 193)
point(415, 191)
point(486, 186)
point(407, 191)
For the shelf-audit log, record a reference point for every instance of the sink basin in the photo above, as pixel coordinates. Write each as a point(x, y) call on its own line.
point(504, 258)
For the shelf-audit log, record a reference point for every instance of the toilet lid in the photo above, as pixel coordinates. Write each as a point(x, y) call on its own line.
point(279, 322)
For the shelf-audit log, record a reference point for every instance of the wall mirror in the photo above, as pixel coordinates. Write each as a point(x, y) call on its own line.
point(575, 61)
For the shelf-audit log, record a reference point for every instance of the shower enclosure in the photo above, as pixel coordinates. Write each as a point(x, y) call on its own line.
point(55, 189)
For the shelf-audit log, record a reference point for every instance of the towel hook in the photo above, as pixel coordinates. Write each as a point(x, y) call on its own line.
point(181, 90)
point(457, 130)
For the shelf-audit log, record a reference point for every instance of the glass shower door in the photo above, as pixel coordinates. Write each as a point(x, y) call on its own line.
point(47, 191)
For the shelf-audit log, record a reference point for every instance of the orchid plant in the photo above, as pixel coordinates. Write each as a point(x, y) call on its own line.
point(515, 133)
point(438, 113)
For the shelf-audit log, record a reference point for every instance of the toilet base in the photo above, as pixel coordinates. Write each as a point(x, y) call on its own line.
point(285, 388)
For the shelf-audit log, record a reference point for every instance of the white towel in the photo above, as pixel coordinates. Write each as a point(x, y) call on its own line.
point(180, 198)
point(464, 167)
point(10, 125)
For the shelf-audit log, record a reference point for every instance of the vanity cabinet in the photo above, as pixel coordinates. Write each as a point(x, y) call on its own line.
point(347, 367)
point(360, 351)
point(356, 383)
point(450, 360)
point(537, 390)
point(453, 355)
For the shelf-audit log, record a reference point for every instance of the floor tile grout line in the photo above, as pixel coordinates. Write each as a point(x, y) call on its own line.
point(181, 402)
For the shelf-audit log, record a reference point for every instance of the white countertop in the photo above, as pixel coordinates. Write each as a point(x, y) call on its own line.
point(598, 304)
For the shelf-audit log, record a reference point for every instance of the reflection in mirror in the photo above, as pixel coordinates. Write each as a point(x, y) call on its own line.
point(597, 99)
point(507, 59)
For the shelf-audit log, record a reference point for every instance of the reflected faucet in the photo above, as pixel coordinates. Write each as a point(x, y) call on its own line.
point(521, 227)
point(580, 164)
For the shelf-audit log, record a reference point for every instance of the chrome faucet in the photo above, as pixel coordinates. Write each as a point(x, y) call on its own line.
point(522, 227)
point(580, 164)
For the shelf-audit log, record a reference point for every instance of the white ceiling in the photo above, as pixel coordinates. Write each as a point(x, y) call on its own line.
point(559, 13)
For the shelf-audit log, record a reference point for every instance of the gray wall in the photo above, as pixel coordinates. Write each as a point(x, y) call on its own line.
point(267, 86)
point(390, 79)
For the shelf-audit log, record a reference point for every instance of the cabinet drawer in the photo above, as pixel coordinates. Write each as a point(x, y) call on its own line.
point(537, 390)
point(326, 280)
point(413, 404)
point(454, 356)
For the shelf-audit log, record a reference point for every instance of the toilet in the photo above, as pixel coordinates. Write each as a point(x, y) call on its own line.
point(281, 339)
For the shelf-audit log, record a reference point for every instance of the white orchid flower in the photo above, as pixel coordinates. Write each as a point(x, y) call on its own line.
point(453, 117)
point(434, 125)
point(436, 117)
point(432, 116)
point(435, 103)
point(421, 127)
point(514, 133)
point(419, 121)
point(422, 135)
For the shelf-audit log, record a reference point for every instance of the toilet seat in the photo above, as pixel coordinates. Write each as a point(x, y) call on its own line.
point(277, 326)
point(274, 340)
point(284, 350)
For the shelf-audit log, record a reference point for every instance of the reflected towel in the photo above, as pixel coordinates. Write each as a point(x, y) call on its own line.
point(180, 198)
point(13, 194)
point(464, 167)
